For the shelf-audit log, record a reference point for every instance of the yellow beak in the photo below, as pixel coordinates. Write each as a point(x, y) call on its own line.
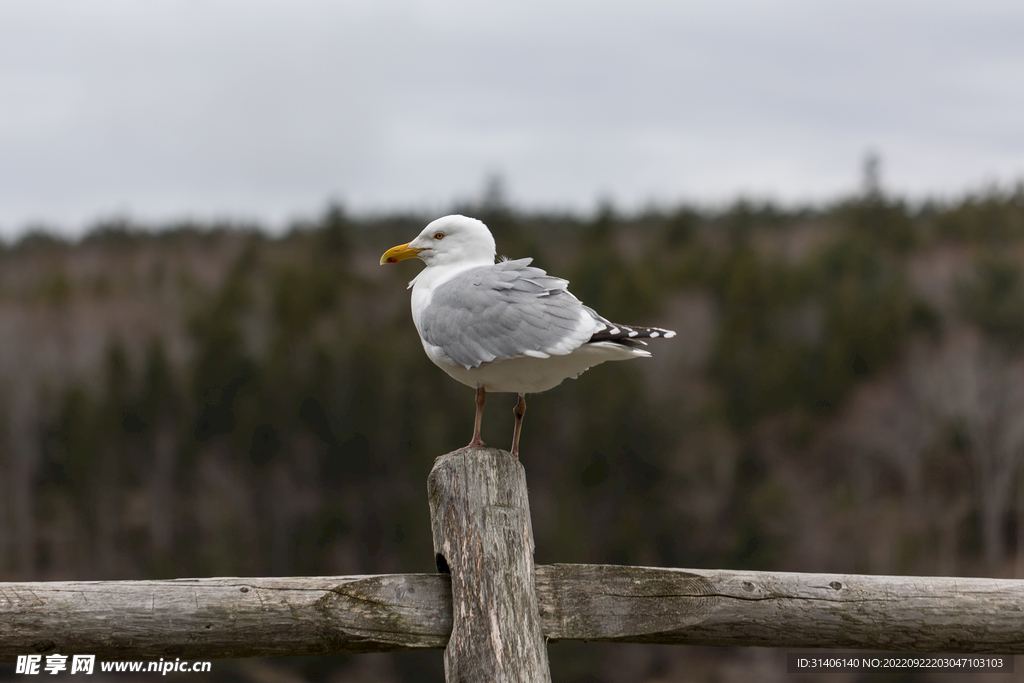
point(399, 253)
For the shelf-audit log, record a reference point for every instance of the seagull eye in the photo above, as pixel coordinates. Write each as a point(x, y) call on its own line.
point(439, 236)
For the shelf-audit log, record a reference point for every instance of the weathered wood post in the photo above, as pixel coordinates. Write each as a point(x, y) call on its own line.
point(483, 536)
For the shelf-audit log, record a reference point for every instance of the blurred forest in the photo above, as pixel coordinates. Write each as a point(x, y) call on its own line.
point(846, 394)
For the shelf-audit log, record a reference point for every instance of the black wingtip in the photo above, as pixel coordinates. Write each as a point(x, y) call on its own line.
point(629, 335)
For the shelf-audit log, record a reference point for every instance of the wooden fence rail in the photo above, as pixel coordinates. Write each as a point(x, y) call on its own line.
point(482, 536)
point(229, 617)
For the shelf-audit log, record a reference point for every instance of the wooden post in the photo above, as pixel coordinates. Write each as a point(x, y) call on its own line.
point(484, 608)
point(483, 536)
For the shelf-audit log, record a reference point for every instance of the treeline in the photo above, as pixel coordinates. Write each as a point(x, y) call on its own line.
point(846, 393)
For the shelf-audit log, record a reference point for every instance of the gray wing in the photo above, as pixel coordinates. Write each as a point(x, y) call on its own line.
point(503, 311)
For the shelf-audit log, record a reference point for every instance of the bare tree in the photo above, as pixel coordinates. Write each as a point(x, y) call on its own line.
point(978, 389)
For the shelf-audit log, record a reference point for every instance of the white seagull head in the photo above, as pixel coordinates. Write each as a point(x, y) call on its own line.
point(446, 241)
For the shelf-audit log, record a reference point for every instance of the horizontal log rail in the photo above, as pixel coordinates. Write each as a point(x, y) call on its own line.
point(234, 617)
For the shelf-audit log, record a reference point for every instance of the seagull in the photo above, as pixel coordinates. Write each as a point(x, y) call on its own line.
point(505, 326)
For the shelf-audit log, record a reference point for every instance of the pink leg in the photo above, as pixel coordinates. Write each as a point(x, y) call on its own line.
point(481, 395)
point(518, 411)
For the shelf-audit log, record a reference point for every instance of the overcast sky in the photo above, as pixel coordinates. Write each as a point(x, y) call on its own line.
point(253, 109)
